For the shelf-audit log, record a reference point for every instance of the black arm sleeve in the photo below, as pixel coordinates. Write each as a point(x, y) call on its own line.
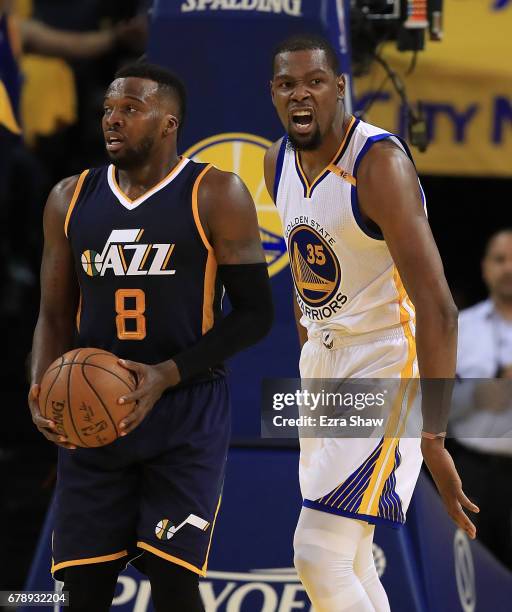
point(248, 289)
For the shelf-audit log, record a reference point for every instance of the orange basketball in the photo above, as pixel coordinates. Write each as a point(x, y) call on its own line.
point(79, 393)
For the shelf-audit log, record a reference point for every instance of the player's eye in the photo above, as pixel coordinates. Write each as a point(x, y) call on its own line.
point(286, 84)
point(316, 81)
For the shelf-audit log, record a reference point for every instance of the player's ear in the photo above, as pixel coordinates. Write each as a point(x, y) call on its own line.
point(340, 85)
point(171, 124)
point(271, 83)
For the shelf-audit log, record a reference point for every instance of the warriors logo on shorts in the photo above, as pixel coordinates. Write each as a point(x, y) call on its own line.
point(315, 268)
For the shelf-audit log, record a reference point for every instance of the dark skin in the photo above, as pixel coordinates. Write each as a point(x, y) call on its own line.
point(136, 112)
point(305, 80)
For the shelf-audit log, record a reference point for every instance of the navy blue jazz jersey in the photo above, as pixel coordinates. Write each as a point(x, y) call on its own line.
point(146, 270)
point(149, 290)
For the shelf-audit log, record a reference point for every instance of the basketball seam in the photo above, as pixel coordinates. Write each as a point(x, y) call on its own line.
point(94, 365)
point(69, 401)
point(97, 395)
point(63, 363)
point(53, 383)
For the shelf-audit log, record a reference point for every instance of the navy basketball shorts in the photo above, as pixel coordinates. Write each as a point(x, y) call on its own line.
point(156, 490)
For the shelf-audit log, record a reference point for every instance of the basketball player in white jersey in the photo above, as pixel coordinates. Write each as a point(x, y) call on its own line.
point(371, 302)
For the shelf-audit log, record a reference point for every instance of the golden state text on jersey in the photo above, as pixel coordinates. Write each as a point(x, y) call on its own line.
point(146, 270)
point(316, 270)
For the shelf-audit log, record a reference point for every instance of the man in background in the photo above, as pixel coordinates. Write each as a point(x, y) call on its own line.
point(482, 416)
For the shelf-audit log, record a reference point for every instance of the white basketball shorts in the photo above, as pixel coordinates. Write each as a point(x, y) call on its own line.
point(369, 479)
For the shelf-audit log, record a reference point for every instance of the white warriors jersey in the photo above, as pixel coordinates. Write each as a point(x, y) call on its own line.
point(345, 278)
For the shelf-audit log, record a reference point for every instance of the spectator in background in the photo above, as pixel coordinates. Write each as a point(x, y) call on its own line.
point(481, 420)
point(46, 53)
point(41, 111)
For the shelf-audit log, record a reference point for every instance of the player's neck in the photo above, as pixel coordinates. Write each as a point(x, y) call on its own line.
point(503, 307)
point(313, 162)
point(136, 181)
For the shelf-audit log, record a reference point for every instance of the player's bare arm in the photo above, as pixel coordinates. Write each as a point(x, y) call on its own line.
point(270, 177)
point(54, 331)
point(228, 218)
point(398, 211)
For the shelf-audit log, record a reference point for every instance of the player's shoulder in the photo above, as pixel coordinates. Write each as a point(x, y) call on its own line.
point(380, 151)
point(66, 185)
point(372, 136)
point(222, 193)
point(270, 163)
point(62, 193)
point(363, 129)
point(273, 151)
point(218, 183)
point(67, 190)
point(221, 197)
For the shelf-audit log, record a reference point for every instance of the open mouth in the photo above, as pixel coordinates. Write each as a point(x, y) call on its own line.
point(302, 120)
point(113, 143)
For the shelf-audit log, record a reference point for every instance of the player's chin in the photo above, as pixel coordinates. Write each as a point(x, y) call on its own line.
point(305, 140)
point(113, 155)
point(121, 159)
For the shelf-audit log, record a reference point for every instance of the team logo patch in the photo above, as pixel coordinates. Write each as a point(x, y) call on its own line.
point(315, 268)
point(91, 263)
point(243, 154)
point(124, 255)
point(165, 530)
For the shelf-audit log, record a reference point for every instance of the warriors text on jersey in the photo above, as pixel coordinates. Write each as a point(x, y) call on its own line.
point(344, 276)
point(146, 270)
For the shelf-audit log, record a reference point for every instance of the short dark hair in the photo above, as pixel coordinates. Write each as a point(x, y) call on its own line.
point(308, 42)
point(493, 236)
point(168, 83)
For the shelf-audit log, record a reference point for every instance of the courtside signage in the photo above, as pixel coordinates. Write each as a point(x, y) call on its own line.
point(271, 590)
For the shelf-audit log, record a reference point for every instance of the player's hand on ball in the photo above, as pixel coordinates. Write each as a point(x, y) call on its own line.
point(448, 483)
point(45, 426)
point(152, 381)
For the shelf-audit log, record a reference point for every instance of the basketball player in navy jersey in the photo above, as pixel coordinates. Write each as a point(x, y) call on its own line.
point(136, 256)
point(371, 302)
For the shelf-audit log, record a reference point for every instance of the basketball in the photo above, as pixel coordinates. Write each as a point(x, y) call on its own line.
point(79, 392)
